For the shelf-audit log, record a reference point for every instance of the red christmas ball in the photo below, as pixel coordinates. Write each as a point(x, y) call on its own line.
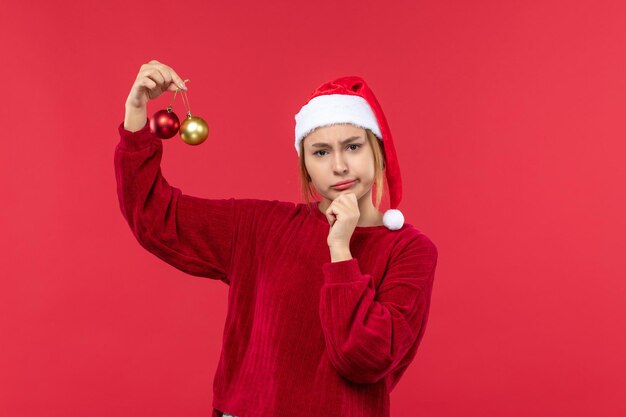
point(164, 123)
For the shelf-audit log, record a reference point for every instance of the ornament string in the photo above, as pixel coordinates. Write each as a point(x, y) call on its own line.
point(186, 103)
point(176, 92)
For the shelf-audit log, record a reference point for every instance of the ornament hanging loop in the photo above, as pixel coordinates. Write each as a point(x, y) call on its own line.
point(186, 103)
point(176, 92)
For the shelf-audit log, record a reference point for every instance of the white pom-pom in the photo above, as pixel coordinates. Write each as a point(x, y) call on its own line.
point(393, 219)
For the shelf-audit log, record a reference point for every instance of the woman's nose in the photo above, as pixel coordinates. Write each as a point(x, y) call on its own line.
point(339, 165)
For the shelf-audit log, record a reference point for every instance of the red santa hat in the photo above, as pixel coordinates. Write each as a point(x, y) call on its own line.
point(350, 100)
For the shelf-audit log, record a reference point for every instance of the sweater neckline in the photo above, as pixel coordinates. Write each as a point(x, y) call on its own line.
point(320, 216)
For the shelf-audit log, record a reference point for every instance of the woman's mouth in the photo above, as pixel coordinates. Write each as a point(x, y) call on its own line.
point(344, 186)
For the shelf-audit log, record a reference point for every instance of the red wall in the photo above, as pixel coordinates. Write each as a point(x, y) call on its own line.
point(508, 118)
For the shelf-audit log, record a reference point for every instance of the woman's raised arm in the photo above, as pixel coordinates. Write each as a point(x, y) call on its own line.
point(193, 234)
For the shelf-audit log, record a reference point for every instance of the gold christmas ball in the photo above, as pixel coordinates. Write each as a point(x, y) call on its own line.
point(193, 130)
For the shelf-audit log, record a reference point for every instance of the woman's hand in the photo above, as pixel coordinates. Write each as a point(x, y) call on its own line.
point(343, 215)
point(153, 79)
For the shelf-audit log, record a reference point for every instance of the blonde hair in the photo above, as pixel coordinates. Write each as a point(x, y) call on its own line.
point(309, 192)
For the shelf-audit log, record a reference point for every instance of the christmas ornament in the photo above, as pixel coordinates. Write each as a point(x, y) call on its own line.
point(193, 130)
point(164, 123)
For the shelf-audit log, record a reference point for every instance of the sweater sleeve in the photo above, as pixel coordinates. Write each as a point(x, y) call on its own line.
point(195, 235)
point(371, 333)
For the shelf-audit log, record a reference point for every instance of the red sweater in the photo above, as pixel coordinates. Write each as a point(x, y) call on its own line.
point(304, 336)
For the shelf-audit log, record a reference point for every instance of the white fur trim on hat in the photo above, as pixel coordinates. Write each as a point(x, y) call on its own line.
point(334, 108)
point(393, 219)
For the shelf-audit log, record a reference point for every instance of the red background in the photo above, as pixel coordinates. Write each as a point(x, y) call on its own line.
point(508, 118)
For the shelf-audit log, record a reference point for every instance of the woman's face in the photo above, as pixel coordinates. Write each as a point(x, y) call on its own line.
point(338, 153)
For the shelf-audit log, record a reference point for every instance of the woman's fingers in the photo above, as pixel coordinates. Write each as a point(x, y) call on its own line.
point(170, 75)
point(152, 80)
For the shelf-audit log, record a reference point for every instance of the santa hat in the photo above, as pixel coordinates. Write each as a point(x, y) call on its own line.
point(350, 100)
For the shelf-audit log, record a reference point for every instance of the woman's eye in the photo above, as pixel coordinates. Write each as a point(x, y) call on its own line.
point(352, 144)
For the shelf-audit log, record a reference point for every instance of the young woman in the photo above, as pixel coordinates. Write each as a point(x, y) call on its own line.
point(328, 300)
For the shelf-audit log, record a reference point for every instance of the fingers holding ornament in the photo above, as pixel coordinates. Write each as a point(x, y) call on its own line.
point(163, 75)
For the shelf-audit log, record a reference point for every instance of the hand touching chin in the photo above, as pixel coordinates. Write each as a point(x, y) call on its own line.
point(343, 215)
